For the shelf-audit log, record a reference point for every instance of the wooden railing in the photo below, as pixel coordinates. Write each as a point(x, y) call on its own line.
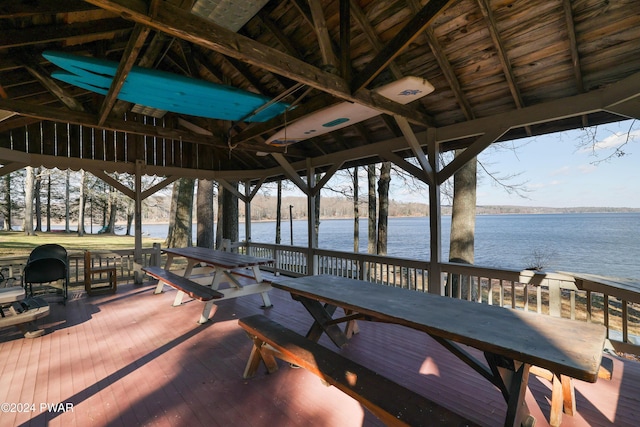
point(123, 260)
point(546, 293)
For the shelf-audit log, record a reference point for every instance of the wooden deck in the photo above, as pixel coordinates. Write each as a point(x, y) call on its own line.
point(132, 359)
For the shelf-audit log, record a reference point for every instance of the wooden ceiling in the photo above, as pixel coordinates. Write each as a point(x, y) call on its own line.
point(502, 69)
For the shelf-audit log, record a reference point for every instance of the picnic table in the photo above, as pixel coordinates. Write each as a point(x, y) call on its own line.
point(511, 340)
point(241, 272)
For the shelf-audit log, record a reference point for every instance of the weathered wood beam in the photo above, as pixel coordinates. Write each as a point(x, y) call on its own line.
point(449, 74)
point(291, 173)
point(413, 29)
point(416, 148)
point(19, 9)
point(410, 168)
point(129, 57)
point(345, 40)
point(40, 74)
point(278, 34)
point(10, 167)
point(371, 35)
point(156, 46)
point(485, 8)
point(573, 46)
point(322, 32)
point(117, 125)
point(507, 69)
point(179, 23)
point(114, 183)
point(105, 29)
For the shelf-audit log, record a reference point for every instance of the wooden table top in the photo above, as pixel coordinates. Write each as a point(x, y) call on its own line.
point(564, 346)
point(218, 258)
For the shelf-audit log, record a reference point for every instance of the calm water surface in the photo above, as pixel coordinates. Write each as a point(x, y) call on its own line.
point(606, 244)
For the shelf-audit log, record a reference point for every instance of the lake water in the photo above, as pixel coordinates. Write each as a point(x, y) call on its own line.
point(604, 243)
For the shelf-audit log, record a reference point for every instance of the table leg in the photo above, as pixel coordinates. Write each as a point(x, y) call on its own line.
point(322, 315)
point(513, 378)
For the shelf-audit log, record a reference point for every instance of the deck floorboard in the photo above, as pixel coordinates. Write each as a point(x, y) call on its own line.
point(133, 359)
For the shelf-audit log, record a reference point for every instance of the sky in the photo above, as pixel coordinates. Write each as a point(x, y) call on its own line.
point(555, 171)
point(560, 170)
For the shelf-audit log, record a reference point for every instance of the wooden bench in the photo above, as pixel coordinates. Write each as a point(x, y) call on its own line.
point(185, 286)
point(21, 312)
point(394, 404)
point(563, 399)
point(90, 271)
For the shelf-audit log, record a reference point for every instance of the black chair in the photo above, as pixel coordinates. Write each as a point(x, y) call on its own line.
point(47, 263)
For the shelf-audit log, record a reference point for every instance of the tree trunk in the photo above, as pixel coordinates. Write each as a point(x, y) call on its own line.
point(38, 199)
point(109, 213)
point(356, 212)
point(383, 211)
point(131, 211)
point(49, 201)
point(28, 202)
point(82, 202)
point(463, 222)
point(316, 227)
point(279, 214)
point(204, 201)
point(231, 214)
point(67, 203)
point(180, 221)
point(8, 201)
point(221, 215)
point(371, 177)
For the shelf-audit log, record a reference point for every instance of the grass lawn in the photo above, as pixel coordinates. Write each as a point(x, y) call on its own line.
point(15, 243)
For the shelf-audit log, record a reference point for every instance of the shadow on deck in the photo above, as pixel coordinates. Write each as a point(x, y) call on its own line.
point(132, 359)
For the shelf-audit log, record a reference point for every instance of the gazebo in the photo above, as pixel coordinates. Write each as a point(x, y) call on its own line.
point(253, 92)
point(499, 71)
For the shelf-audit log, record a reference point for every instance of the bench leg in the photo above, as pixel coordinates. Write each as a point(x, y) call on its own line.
point(259, 354)
point(266, 300)
point(206, 312)
point(159, 287)
point(178, 300)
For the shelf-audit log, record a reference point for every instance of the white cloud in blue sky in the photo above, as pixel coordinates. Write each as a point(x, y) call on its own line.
point(562, 170)
point(557, 170)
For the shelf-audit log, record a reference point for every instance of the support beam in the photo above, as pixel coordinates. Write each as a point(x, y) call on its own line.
point(327, 176)
point(8, 168)
point(410, 136)
point(129, 57)
point(291, 173)
point(114, 183)
point(312, 237)
point(137, 252)
point(435, 219)
point(162, 184)
point(182, 24)
point(413, 29)
point(470, 153)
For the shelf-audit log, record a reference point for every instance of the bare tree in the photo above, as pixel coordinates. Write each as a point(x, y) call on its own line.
point(614, 145)
point(180, 220)
point(383, 210)
point(28, 202)
point(371, 181)
point(463, 220)
point(205, 236)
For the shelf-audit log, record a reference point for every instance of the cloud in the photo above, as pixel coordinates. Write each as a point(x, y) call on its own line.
point(565, 170)
point(614, 140)
point(586, 169)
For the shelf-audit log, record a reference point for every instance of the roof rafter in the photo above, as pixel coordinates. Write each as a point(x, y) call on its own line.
point(413, 29)
point(179, 23)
